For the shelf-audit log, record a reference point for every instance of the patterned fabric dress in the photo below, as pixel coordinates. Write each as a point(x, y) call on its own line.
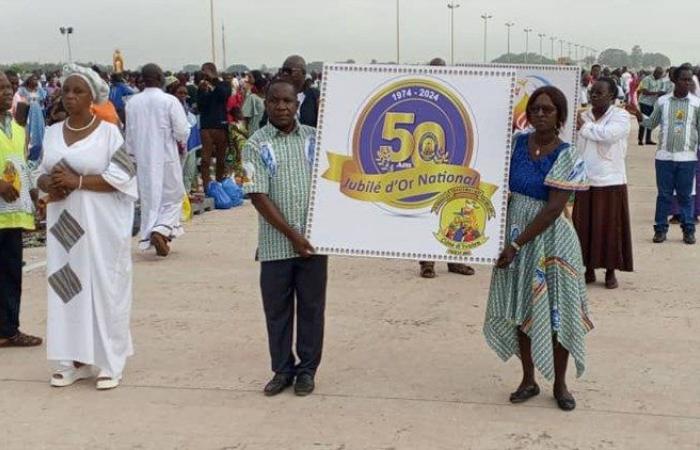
point(543, 290)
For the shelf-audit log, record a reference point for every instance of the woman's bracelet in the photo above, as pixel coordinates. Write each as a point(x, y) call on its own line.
point(80, 183)
point(515, 245)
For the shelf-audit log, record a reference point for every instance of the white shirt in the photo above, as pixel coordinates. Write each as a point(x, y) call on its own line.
point(603, 146)
point(300, 98)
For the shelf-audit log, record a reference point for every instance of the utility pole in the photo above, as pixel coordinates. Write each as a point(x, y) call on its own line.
point(213, 42)
point(67, 31)
point(541, 36)
point(509, 25)
point(398, 35)
point(561, 48)
point(552, 40)
point(486, 18)
point(452, 6)
point(527, 42)
point(223, 45)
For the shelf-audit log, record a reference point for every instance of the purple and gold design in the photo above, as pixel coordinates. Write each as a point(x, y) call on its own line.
point(413, 141)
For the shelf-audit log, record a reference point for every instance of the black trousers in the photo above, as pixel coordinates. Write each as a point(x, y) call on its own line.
point(282, 282)
point(10, 280)
point(646, 110)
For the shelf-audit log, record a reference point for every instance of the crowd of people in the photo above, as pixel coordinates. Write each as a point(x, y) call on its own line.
point(86, 148)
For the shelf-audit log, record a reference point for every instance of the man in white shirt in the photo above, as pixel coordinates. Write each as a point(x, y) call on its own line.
point(156, 127)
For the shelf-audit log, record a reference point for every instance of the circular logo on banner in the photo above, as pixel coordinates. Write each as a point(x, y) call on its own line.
point(415, 127)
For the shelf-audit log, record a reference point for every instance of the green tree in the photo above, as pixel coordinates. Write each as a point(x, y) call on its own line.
point(636, 57)
point(532, 58)
point(656, 59)
point(238, 68)
point(315, 66)
point(614, 57)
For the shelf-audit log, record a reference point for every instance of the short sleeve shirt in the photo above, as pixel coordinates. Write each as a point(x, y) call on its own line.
point(280, 166)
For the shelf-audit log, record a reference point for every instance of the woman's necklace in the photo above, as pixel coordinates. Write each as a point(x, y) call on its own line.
point(83, 128)
point(538, 150)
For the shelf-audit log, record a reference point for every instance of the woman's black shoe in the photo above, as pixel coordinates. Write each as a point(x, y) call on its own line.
point(566, 404)
point(525, 394)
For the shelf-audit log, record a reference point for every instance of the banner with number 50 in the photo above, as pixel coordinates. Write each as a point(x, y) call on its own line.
point(412, 162)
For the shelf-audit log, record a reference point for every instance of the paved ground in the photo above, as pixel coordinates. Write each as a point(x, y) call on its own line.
point(405, 364)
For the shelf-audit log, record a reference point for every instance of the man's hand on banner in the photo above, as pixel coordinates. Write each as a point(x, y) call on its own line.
point(302, 246)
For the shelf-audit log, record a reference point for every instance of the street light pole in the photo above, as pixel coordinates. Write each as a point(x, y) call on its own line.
point(223, 45)
point(527, 42)
point(569, 43)
point(552, 40)
point(509, 25)
point(213, 42)
point(486, 18)
point(452, 5)
point(561, 48)
point(398, 36)
point(541, 36)
point(576, 46)
point(67, 31)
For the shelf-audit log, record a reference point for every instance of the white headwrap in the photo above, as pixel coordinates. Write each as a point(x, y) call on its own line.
point(98, 86)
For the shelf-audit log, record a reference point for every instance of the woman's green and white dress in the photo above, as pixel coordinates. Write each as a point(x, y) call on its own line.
point(543, 291)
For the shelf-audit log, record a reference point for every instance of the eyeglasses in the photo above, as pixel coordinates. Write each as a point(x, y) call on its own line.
point(291, 70)
point(545, 110)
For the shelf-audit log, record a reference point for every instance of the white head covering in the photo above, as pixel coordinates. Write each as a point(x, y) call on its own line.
point(98, 86)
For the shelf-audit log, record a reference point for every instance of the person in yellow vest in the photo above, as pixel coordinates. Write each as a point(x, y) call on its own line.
point(16, 215)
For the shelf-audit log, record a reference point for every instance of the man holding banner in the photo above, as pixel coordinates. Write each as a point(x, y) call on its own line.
point(278, 160)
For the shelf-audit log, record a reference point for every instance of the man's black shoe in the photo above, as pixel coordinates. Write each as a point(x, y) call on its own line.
point(659, 237)
point(650, 143)
point(304, 385)
point(689, 238)
point(279, 383)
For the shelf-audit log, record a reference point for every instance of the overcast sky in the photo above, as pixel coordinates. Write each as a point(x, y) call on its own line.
point(177, 32)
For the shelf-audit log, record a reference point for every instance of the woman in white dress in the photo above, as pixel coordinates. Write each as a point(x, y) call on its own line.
point(91, 189)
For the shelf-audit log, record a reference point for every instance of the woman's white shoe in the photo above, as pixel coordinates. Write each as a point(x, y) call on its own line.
point(67, 375)
point(105, 382)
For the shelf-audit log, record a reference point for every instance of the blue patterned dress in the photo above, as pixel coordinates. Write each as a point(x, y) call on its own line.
point(543, 290)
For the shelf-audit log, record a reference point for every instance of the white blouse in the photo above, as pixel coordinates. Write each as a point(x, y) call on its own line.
point(603, 146)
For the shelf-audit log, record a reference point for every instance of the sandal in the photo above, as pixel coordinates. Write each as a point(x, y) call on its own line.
point(427, 269)
point(525, 394)
point(105, 382)
point(461, 269)
point(21, 340)
point(68, 375)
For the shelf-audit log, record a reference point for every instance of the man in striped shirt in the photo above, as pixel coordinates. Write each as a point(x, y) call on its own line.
point(678, 116)
point(278, 160)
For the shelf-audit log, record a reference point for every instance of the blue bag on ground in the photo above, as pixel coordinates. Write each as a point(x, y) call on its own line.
point(221, 198)
point(234, 191)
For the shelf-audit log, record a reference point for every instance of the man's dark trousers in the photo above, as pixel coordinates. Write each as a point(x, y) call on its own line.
point(10, 280)
point(282, 282)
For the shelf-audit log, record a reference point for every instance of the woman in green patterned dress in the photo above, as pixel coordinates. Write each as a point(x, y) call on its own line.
point(537, 302)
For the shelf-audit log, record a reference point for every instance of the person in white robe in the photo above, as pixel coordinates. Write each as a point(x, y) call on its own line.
point(156, 125)
point(91, 188)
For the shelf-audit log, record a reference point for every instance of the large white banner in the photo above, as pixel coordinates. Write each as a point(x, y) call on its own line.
point(530, 77)
point(412, 162)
